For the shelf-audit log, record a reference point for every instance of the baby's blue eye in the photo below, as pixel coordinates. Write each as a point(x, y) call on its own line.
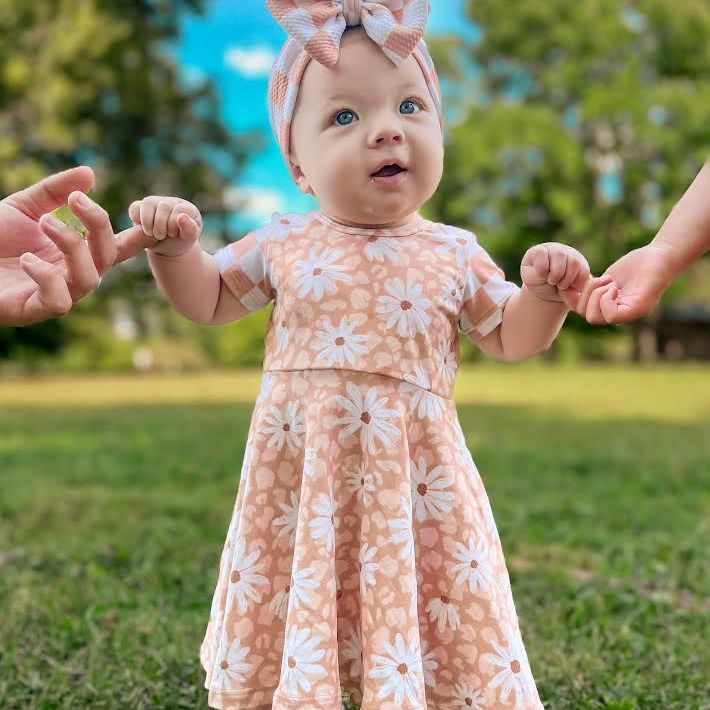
point(409, 101)
point(345, 113)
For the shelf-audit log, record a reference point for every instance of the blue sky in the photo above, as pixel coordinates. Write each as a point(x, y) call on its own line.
point(235, 43)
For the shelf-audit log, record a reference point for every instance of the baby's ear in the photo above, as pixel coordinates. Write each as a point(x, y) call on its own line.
point(303, 185)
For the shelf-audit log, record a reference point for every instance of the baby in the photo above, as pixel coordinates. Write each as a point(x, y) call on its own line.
point(362, 557)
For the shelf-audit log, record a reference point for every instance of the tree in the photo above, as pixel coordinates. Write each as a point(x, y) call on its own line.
point(94, 82)
point(587, 124)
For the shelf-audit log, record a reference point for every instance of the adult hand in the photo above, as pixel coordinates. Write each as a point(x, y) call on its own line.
point(639, 280)
point(45, 269)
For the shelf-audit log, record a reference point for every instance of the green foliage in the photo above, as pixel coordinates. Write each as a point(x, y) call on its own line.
point(94, 82)
point(567, 92)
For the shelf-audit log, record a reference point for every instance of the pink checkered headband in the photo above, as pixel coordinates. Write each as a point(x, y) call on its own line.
point(323, 45)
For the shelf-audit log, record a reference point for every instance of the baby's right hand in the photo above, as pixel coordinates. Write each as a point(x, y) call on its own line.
point(163, 217)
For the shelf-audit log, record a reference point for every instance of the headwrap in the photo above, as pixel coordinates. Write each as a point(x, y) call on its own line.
point(315, 29)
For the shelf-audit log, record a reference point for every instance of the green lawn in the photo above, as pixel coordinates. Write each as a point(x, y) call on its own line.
point(116, 496)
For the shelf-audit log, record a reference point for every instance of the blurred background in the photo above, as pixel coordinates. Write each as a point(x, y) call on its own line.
point(554, 132)
point(123, 425)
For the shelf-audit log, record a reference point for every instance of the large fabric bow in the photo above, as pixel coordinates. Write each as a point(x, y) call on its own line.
point(318, 25)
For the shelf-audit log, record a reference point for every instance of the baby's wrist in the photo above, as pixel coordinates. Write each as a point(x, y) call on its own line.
point(546, 299)
point(169, 250)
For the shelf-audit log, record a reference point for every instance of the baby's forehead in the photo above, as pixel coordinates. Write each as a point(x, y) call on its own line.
point(363, 68)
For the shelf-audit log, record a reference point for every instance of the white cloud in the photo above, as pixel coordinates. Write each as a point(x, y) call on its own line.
point(258, 203)
point(251, 62)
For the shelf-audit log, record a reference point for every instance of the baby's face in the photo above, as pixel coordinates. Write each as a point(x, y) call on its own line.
point(350, 119)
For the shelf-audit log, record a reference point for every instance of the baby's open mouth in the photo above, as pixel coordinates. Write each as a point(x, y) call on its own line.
point(388, 170)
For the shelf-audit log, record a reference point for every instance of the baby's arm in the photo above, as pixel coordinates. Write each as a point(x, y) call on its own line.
point(553, 277)
point(187, 276)
point(207, 289)
point(190, 282)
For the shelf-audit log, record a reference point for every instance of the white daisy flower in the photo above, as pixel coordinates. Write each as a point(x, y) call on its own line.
point(285, 424)
point(230, 668)
point(301, 581)
point(402, 530)
point(282, 332)
point(443, 611)
point(352, 651)
point(474, 566)
point(339, 344)
point(361, 483)
point(379, 248)
point(298, 663)
point(265, 387)
point(289, 519)
point(400, 669)
point(368, 416)
point(366, 567)
point(429, 664)
point(430, 500)
point(454, 240)
point(451, 293)
point(309, 461)
point(297, 588)
point(318, 274)
point(283, 225)
point(422, 400)
point(468, 697)
point(246, 459)
point(279, 602)
point(515, 674)
point(404, 307)
point(233, 527)
point(447, 360)
point(324, 524)
point(244, 576)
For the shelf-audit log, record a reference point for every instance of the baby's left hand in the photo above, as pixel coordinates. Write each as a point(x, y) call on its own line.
point(557, 272)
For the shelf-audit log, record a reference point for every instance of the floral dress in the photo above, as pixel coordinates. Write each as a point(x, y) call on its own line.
point(362, 555)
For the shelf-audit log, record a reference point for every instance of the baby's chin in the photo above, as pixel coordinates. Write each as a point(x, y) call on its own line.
point(373, 217)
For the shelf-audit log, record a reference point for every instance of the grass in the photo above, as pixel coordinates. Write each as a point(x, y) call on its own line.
point(116, 495)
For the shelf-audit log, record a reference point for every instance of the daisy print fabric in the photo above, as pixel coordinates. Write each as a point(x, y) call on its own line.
point(362, 556)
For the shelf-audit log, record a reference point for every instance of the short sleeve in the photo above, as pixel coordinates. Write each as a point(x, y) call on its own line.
point(244, 268)
point(485, 293)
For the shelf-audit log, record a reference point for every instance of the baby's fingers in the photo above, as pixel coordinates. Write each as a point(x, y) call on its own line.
point(577, 273)
point(181, 208)
point(189, 229)
point(535, 266)
point(146, 219)
point(134, 212)
point(558, 266)
point(594, 314)
point(587, 290)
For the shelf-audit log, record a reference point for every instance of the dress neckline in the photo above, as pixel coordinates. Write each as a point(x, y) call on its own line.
point(413, 226)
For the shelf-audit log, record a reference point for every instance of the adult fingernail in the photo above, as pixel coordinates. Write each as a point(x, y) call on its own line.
point(29, 256)
point(83, 200)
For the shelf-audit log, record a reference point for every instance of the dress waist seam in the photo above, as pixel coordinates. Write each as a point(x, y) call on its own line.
point(361, 372)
